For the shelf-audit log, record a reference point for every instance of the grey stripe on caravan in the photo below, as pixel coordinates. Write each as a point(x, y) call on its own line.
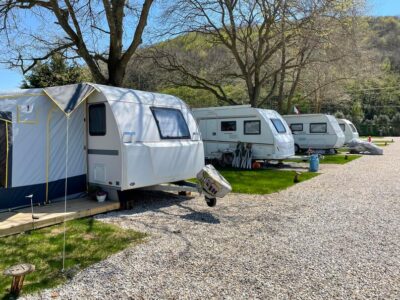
point(103, 152)
point(222, 118)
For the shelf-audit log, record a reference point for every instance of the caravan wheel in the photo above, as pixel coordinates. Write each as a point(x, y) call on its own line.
point(296, 148)
point(226, 160)
point(211, 202)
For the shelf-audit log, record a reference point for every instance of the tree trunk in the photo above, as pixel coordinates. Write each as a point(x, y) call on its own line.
point(256, 95)
point(116, 74)
point(283, 62)
point(292, 90)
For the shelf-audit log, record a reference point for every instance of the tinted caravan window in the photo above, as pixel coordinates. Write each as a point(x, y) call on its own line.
point(278, 125)
point(228, 126)
point(252, 127)
point(171, 123)
point(97, 119)
point(343, 127)
point(353, 128)
point(296, 127)
point(318, 128)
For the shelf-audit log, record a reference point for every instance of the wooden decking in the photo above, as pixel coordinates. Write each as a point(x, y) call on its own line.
point(21, 220)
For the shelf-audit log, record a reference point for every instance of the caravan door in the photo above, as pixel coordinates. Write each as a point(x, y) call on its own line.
point(104, 146)
point(209, 129)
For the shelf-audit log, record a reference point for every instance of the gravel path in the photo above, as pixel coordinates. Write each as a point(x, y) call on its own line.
point(336, 236)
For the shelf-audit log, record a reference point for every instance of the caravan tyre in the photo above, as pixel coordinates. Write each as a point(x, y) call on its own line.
point(211, 202)
point(296, 148)
point(226, 160)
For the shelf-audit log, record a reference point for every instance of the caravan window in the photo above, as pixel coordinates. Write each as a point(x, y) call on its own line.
point(252, 127)
point(97, 119)
point(296, 127)
point(278, 125)
point(343, 127)
point(171, 123)
point(228, 126)
point(318, 127)
point(353, 128)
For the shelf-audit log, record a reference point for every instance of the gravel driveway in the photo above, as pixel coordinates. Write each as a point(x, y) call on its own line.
point(336, 236)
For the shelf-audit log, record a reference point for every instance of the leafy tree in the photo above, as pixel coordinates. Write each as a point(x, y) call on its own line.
point(194, 98)
point(55, 72)
point(383, 120)
point(396, 119)
point(339, 115)
point(396, 123)
point(357, 113)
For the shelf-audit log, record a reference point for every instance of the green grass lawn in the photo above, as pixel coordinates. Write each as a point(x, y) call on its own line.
point(332, 159)
point(261, 181)
point(87, 242)
point(338, 159)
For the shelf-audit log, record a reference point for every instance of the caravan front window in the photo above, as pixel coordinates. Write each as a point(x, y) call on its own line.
point(171, 123)
point(97, 119)
point(353, 128)
point(342, 127)
point(278, 125)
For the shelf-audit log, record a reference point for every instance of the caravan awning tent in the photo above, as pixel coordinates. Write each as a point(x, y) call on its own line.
point(32, 122)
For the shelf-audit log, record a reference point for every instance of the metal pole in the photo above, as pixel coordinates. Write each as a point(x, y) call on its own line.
point(66, 192)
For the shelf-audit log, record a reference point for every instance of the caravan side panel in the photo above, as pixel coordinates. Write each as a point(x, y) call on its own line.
point(148, 159)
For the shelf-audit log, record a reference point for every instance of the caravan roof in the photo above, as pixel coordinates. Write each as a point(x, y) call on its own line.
point(63, 96)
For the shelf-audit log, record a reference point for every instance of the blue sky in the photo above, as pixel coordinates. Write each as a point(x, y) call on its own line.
point(384, 7)
point(11, 79)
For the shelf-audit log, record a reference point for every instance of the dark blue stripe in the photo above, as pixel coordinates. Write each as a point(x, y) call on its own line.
point(103, 152)
point(15, 197)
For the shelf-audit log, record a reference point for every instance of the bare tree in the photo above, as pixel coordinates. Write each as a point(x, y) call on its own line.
point(90, 30)
point(342, 57)
point(254, 35)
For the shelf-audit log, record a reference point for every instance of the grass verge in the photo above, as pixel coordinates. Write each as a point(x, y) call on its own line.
point(261, 181)
point(339, 159)
point(87, 242)
point(332, 159)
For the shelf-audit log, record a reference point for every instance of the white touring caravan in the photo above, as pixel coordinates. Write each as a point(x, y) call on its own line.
point(223, 128)
point(315, 131)
point(115, 138)
point(350, 131)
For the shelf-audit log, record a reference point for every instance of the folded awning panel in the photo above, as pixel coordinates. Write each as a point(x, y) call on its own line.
point(68, 97)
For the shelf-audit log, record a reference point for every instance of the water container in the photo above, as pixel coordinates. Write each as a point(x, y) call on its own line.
point(314, 163)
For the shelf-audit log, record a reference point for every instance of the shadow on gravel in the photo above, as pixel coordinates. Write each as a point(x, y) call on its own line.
point(204, 217)
point(143, 201)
